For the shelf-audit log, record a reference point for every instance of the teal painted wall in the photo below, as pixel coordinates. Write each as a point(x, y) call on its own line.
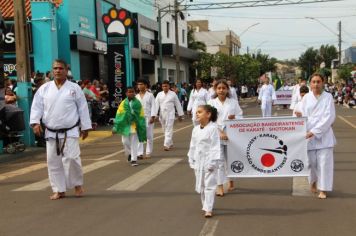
point(140, 7)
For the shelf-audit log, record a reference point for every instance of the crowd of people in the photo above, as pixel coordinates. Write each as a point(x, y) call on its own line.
point(61, 110)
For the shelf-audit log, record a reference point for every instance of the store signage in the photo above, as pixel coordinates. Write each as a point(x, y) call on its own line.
point(148, 48)
point(84, 27)
point(8, 38)
point(117, 74)
point(100, 46)
point(10, 66)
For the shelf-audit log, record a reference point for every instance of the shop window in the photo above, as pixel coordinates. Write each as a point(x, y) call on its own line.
point(171, 75)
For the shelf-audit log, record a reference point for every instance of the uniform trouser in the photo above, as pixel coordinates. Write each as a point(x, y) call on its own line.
point(130, 145)
point(266, 108)
point(64, 172)
point(167, 126)
point(149, 145)
point(221, 171)
point(321, 163)
point(208, 188)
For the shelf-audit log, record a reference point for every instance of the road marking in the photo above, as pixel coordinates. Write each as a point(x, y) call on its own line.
point(43, 184)
point(347, 122)
point(142, 177)
point(121, 151)
point(301, 187)
point(22, 171)
point(209, 228)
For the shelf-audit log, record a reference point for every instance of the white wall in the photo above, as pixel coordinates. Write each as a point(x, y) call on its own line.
point(170, 64)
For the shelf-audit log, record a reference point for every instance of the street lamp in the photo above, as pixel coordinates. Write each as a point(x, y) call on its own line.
point(259, 45)
point(249, 28)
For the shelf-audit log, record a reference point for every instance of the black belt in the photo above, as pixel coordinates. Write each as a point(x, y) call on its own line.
point(57, 131)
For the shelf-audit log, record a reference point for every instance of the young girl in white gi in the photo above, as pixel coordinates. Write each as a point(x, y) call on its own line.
point(198, 96)
point(167, 101)
point(298, 106)
point(204, 155)
point(228, 109)
point(266, 97)
point(318, 107)
point(149, 106)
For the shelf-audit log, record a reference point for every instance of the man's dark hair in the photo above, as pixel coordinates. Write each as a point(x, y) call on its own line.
point(60, 61)
point(143, 81)
point(166, 82)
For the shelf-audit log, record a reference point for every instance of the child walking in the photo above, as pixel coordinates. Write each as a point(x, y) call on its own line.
point(318, 106)
point(131, 124)
point(149, 106)
point(204, 155)
point(228, 109)
point(266, 97)
point(166, 102)
point(297, 108)
point(198, 96)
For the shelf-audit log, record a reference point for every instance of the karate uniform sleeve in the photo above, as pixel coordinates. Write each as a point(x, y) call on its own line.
point(238, 110)
point(37, 108)
point(157, 104)
point(83, 110)
point(274, 97)
point(178, 106)
point(191, 152)
point(214, 153)
point(327, 118)
point(153, 106)
point(191, 101)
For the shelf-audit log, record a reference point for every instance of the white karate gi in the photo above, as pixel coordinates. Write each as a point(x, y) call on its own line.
point(204, 155)
point(267, 95)
point(197, 98)
point(229, 107)
point(149, 106)
point(211, 92)
point(60, 109)
point(167, 103)
point(295, 96)
point(321, 115)
point(233, 93)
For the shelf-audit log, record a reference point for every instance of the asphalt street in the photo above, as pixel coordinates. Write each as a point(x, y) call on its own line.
point(157, 197)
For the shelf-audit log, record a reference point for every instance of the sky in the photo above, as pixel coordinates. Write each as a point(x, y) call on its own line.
point(284, 32)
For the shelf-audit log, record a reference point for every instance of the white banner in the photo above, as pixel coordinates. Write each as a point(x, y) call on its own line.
point(267, 147)
point(284, 97)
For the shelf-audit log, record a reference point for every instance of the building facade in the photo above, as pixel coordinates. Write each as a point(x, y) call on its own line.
point(224, 41)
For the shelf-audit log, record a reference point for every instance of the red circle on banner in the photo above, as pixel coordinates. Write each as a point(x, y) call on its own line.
point(122, 14)
point(267, 160)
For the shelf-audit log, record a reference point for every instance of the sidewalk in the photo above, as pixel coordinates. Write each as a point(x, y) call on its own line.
point(102, 133)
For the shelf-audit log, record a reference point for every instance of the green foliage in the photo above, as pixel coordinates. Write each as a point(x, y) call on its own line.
point(242, 69)
point(344, 72)
point(193, 44)
point(311, 59)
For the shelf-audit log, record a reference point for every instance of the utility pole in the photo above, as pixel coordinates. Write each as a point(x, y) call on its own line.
point(2, 82)
point(23, 67)
point(230, 43)
point(176, 11)
point(340, 42)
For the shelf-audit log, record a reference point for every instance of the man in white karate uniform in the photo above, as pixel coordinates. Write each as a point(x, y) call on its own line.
point(63, 109)
point(232, 91)
point(149, 106)
point(266, 97)
point(167, 101)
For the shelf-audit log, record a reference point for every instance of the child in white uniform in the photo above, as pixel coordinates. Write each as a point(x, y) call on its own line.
point(198, 96)
point(318, 106)
point(204, 155)
point(298, 106)
point(228, 109)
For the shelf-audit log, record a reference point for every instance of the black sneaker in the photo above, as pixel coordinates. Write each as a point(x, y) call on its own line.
point(134, 163)
point(129, 158)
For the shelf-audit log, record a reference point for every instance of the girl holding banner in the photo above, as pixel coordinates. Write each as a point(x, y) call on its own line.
point(228, 109)
point(204, 155)
point(318, 107)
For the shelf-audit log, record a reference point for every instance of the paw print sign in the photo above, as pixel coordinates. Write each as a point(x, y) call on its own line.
point(117, 21)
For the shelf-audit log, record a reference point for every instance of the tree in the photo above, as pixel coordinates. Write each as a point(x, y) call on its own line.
point(326, 54)
point(308, 61)
point(193, 44)
point(344, 72)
